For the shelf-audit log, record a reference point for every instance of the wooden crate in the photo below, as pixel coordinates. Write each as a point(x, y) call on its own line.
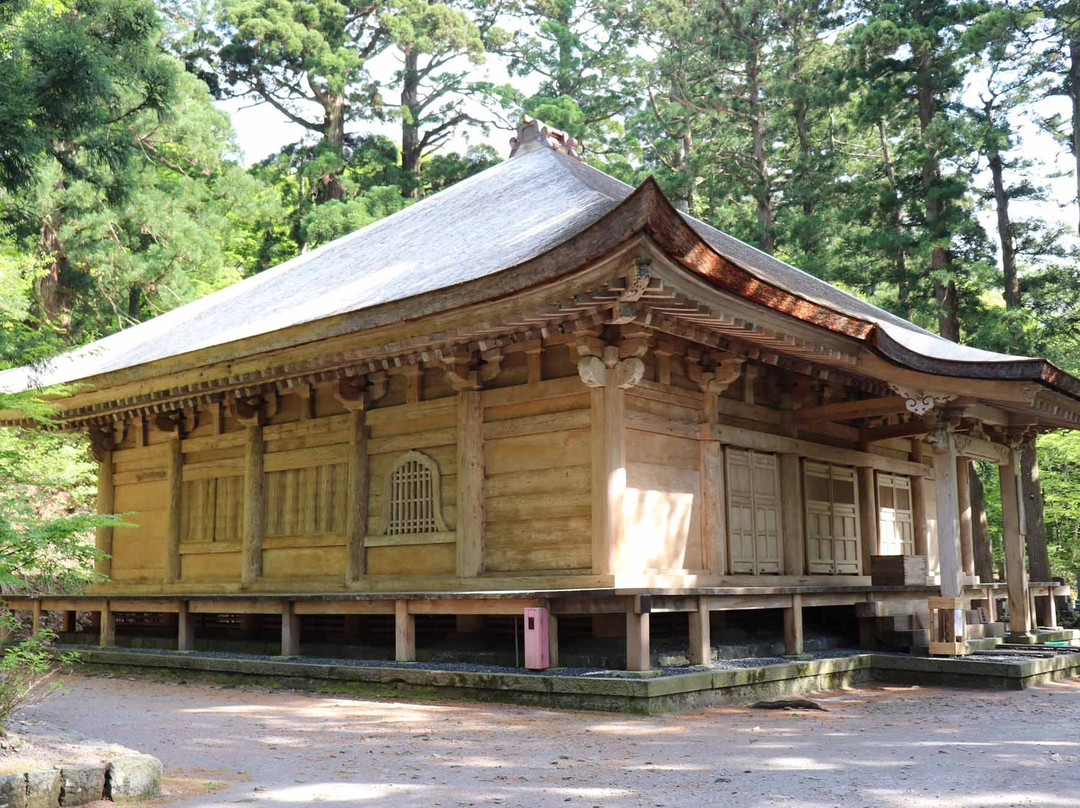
point(897, 570)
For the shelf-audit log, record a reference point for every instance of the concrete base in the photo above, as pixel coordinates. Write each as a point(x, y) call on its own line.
point(1021, 639)
point(654, 692)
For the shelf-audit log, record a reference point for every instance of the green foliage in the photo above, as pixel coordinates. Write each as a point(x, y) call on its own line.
point(26, 667)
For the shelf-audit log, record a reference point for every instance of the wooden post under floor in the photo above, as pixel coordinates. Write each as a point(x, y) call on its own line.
point(69, 625)
point(553, 639)
point(290, 629)
point(108, 626)
point(185, 628)
point(404, 632)
point(36, 617)
point(1050, 610)
point(967, 534)
point(254, 505)
point(1015, 569)
point(793, 626)
point(103, 536)
point(638, 653)
point(700, 651)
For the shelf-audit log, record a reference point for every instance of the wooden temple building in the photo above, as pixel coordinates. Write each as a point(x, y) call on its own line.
point(544, 388)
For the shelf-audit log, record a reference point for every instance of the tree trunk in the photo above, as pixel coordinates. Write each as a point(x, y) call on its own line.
point(52, 300)
point(762, 188)
point(330, 183)
point(1031, 491)
point(903, 283)
point(940, 259)
point(1073, 85)
point(984, 549)
point(685, 201)
point(410, 126)
point(134, 304)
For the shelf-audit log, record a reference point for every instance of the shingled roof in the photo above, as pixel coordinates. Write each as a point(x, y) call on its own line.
point(481, 227)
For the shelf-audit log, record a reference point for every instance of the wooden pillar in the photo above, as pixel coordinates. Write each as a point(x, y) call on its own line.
point(607, 408)
point(948, 517)
point(352, 627)
point(967, 535)
point(553, 639)
point(1050, 606)
point(37, 614)
point(713, 504)
point(1015, 571)
point(357, 514)
point(174, 482)
point(404, 632)
point(868, 514)
point(185, 628)
point(920, 527)
point(470, 484)
point(103, 536)
point(638, 654)
point(108, 626)
point(69, 624)
point(793, 627)
point(254, 505)
point(290, 629)
point(791, 515)
point(700, 651)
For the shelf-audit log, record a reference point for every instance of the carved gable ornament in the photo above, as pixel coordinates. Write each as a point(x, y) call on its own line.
point(919, 401)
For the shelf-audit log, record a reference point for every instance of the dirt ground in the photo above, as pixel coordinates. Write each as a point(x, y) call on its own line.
point(877, 746)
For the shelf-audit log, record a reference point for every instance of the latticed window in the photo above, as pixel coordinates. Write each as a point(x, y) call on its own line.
point(413, 501)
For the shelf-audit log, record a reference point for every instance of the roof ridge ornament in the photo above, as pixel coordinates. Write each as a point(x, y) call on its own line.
point(533, 134)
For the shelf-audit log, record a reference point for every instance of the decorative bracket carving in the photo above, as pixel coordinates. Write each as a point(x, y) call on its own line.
point(595, 358)
point(253, 410)
point(939, 438)
point(358, 392)
point(467, 370)
point(172, 423)
point(714, 373)
point(919, 401)
point(103, 440)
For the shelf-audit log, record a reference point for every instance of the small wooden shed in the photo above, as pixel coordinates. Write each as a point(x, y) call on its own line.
point(543, 387)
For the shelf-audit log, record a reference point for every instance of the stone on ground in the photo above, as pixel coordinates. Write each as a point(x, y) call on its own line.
point(134, 776)
point(13, 790)
point(43, 789)
point(81, 784)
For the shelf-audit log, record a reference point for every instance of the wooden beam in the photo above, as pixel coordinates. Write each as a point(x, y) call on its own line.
point(781, 444)
point(608, 434)
point(713, 512)
point(846, 410)
point(404, 632)
point(919, 526)
point(1015, 569)
point(700, 651)
point(356, 517)
point(638, 654)
point(948, 519)
point(963, 497)
point(185, 628)
point(36, 614)
point(290, 630)
point(254, 505)
point(174, 485)
point(793, 626)
point(907, 429)
point(103, 535)
point(236, 606)
point(69, 624)
point(107, 638)
point(866, 481)
point(470, 484)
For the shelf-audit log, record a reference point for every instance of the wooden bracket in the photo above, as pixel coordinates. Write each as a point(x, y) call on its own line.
point(468, 370)
point(358, 392)
point(596, 357)
point(256, 409)
point(102, 440)
point(172, 423)
point(714, 372)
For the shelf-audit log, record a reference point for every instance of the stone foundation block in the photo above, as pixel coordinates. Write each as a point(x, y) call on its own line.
point(13, 790)
point(43, 789)
point(81, 784)
point(134, 776)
